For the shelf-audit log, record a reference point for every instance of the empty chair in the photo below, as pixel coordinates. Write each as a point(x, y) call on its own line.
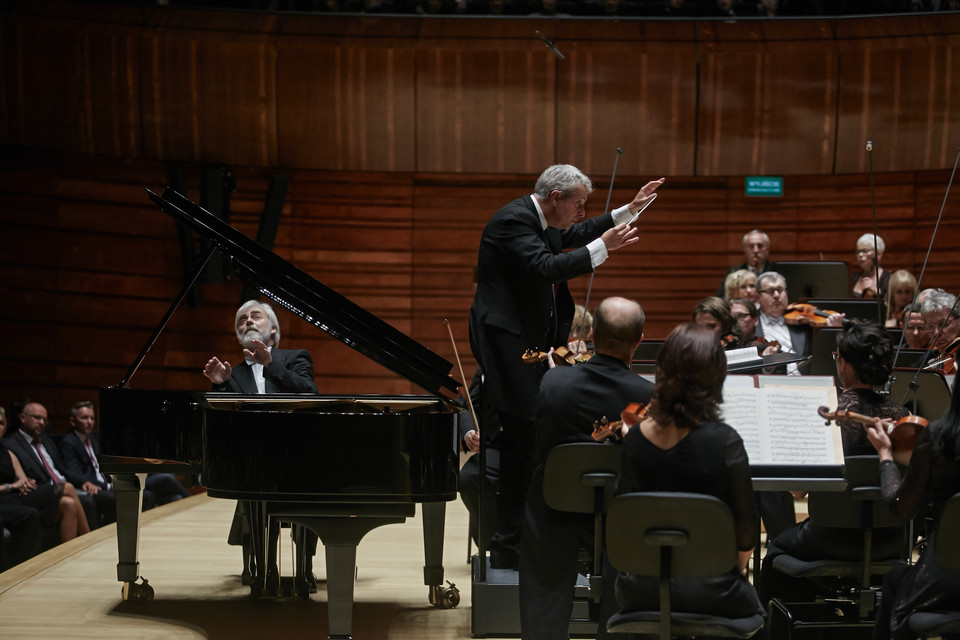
point(685, 536)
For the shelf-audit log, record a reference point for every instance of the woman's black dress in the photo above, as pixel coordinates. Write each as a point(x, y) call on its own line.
point(45, 498)
point(709, 460)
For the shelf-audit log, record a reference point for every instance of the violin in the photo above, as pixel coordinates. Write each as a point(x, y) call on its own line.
point(903, 433)
point(613, 431)
point(946, 362)
point(762, 344)
point(803, 313)
point(728, 339)
point(562, 356)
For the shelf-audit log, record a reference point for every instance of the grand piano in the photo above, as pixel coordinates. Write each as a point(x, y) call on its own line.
point(339, 466)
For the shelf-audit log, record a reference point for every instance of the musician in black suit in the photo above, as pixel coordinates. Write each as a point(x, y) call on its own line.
point(571, 399)
point(40, 457)
point(756, 251)
point(522, 302)
point(265, 369)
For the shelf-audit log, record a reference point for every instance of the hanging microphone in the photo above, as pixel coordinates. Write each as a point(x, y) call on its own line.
point(869, 145)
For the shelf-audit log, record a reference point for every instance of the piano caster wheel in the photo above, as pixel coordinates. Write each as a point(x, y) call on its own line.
point(444, 597)
point(137, 592)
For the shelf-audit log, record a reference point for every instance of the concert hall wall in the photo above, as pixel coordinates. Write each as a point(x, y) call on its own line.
point(401, 136)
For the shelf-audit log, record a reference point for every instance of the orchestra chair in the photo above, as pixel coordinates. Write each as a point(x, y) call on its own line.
point(580, 477)
point(674, 535)
point(850, 588)
point(946, 549)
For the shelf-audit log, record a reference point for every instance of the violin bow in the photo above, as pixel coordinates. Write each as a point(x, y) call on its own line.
point(606, 208)
point(876, 252)
point(473, 413)
point(916, 376)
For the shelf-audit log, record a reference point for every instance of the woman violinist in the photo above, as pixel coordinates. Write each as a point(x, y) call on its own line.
point(865, 282)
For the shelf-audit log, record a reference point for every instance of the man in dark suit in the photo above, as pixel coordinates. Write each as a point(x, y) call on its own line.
point(265, 369)
point(571, 399)
point(80, 451)
point(756, 251)
point(522, 302)
point(40, 457)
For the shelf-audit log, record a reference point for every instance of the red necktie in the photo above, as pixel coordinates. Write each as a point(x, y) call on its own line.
point(54, 476)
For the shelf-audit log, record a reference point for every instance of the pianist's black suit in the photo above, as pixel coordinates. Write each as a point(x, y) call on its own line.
point(570, 400)
point(291, 371)
point(516, 308)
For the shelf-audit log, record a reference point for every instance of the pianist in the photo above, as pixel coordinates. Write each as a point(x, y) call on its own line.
point(522, 302)
point(265, 369)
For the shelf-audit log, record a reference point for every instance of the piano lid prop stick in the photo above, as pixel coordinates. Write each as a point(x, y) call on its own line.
point(473, 413)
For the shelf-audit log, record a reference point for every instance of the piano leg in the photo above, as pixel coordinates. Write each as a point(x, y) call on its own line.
point(434, 519)
point(129, 492)
point(340, 536)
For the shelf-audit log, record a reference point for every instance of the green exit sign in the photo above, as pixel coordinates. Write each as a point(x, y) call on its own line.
point(764, 186)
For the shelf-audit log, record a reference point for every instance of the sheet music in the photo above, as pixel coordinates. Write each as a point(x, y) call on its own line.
point(781, 425)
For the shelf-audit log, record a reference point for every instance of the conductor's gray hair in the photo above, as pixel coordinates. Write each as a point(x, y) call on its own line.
point(564, 178)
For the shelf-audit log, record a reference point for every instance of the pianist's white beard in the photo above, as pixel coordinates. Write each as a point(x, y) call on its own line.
point(251, 335)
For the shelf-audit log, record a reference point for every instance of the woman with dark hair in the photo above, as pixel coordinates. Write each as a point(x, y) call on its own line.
point(715, 314)
point(931, 479)
point(682, 445)
point(864, 358)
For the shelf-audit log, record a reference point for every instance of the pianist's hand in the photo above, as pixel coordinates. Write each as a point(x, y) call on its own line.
point(259, 354)
point(217, 372)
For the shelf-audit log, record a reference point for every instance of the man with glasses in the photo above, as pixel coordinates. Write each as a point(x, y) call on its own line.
point(793, 338)
point(40, 457)
point(915, 333)
point(940, 314)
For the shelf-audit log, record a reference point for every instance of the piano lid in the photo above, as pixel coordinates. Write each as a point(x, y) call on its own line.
point(313, 301)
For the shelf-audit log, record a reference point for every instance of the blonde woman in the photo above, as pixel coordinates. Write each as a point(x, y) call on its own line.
point(900, 292)
point(741, 284)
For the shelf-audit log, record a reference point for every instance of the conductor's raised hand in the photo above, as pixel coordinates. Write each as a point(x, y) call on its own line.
point(619, 236)
point(217, 372)
point(644, 195)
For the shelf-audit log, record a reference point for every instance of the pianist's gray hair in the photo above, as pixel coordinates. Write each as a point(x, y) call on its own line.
point(267, 309)
point(564, 178)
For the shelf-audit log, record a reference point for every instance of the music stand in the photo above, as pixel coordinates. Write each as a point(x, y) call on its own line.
point(929, 399)
point(815, 279)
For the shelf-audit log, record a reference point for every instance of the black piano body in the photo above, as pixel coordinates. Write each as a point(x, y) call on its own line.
point(338, 465)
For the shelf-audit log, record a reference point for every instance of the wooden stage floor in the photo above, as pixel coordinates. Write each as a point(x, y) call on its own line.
point(71, 591)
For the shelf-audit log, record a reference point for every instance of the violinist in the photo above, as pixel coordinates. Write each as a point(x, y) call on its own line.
point(941, 322)
point(864, 359)
point(901, 290)
point(932, 477)
point(914, 331)
point(715, 314)
point(865, 281)
point(793, 338)
point(571, 399)
point(748, 317)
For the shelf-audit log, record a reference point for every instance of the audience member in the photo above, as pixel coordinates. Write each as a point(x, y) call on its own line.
point(21, 521)
point(673, 9)
point(756, 251)
point(24, 460)
point(80, 451)
point(571, 399)
point(523, 302)
point(865, 281)
point(741, 283)
point(931, 479)
point(901, 289)
point(682, 445)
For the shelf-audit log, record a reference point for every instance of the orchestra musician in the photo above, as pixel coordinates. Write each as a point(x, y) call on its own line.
point(571, 399)
point(748, 318)
point(932, 477)
point(864, 284)
point(715, 314)
point(522, 302)
point(756, 253)
point(940, 322)
point(683, 445)
point(901, 290)
point(914, 332)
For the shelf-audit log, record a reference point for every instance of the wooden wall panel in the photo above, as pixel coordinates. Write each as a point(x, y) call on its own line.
point(72, 83)
point(346, 104)
point(635, 96)
point(485, 106)
point(209, 95)
point(901, 95)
